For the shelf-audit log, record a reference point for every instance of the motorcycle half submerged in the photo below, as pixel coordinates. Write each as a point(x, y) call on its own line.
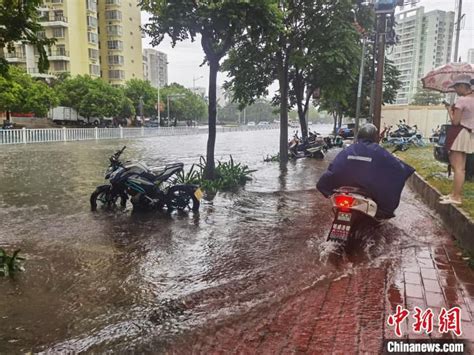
point(354, 210)
point(147, 188)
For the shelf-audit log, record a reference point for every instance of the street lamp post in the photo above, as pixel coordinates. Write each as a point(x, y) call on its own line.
point(158, 106)
point(194, 81)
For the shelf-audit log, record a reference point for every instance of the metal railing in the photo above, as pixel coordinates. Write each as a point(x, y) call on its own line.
point(44, 135)
point(53, 18)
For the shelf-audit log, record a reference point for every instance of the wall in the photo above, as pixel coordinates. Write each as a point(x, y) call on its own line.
point(425, 117)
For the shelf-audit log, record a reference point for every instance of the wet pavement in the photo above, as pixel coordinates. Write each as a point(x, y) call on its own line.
point(251, 273)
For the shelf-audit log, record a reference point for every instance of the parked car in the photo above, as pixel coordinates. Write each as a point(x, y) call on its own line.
point(262, 123)
point(347, 131)
point(251, 123)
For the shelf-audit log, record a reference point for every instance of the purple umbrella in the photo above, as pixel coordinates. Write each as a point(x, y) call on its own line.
point(441, 79)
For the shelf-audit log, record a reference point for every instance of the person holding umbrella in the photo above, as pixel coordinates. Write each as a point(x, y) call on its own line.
point(460, 139)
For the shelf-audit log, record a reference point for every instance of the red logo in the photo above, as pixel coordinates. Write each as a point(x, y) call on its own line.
point(397, 319)
point(448, 320)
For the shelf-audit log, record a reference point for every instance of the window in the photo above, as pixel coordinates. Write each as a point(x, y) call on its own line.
point(56, 1)
point(93, 53)
point(116, 74)
point(61, 50)
point(58, 32)
point(59, 15)
point(91, 21)
point(115, 60)
point(115, 45)
point(112, 2)
point(60, 66)
point(94, 69)
point(91, 5)
point(113, 15)
point(92, 37)
point(114, 30)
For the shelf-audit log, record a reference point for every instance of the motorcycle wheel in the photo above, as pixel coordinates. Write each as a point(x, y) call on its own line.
point(180, 199)
point(102, 194)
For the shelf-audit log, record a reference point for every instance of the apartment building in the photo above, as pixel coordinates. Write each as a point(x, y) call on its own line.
point(120, 41)
point(425, 42)
point(102, 41)
point(470, 56)
point(155, 67)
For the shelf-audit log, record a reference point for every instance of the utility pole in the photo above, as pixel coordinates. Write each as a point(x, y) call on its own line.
point(380, 43)
point(359, 88)
point(458, 31)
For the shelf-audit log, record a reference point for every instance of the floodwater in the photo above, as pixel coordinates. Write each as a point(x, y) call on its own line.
point(113, 280)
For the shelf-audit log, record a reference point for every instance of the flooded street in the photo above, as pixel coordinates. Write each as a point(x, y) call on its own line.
point(219, 280)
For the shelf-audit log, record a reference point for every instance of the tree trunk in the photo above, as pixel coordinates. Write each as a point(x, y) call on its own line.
point(210, 169)
point(283, 81)
point(299, 86)
point(334, 116)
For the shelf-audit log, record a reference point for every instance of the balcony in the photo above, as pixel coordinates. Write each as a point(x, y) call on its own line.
point(54, 21)
point(15, 57)
point(34, 72)
point(59, 55)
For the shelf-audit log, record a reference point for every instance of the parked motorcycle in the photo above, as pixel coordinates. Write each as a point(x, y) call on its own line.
point(314, 147)
point(405, 130)
point(146, 188)
point(353, 209)
point(441, 153)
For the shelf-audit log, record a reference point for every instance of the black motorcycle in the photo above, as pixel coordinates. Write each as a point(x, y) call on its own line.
point(314, 147)
point(145, 187)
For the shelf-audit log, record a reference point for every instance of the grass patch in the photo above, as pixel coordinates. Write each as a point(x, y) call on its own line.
point(435, 173)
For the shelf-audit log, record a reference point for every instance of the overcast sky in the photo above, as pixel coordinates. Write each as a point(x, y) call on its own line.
point(185, 58)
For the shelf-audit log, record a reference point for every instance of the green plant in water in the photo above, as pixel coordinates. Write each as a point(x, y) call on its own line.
point(193, 176)
point(272, 158)
point(229, 176)
point(10, 264)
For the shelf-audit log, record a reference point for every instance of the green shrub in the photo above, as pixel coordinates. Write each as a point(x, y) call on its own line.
point(229, 176)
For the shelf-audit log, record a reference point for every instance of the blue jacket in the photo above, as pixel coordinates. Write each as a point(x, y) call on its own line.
point(370, 167)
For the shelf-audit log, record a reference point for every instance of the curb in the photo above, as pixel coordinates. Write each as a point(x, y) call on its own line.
point(455, 220)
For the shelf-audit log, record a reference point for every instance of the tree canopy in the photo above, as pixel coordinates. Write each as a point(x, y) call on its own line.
point(135, 89)
point(219, 24)
point(20, 93)
point(93, 97)
point(315, 48)
point(184, 104)
point(19, 22)
point(425, 97)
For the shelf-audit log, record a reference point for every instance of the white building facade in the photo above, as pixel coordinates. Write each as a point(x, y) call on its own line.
point(425, 42)
point(155, 67)
point(470, 56)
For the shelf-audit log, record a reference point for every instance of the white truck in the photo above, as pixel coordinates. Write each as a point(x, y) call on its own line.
point(63, 115)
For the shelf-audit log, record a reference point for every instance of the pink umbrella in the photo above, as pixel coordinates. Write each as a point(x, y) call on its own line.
point(440, 79)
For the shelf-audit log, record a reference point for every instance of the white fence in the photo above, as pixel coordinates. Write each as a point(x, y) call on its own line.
point(42, 135)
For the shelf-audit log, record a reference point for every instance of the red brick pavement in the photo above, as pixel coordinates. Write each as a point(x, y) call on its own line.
point(348, 315)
